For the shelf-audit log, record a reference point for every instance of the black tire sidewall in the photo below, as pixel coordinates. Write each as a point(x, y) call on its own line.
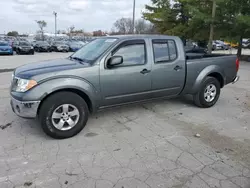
point(209, 80)
point(52, 103)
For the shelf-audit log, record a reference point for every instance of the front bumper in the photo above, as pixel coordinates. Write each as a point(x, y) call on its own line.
point(25, 109)
point(6, 52)
point(62, 49)
point(26, 51)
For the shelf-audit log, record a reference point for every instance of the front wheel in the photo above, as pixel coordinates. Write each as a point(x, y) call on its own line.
point(208, 93)
point(63, 115)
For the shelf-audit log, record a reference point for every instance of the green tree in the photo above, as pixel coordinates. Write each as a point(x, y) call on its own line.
point(191, 19)
point(41, 24)
point(13, 33)
point(237, 21)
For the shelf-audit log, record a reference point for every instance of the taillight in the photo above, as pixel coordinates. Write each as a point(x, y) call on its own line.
point(237, 64)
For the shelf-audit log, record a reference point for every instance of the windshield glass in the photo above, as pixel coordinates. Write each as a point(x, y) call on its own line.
point(24, 44)
point(59, 43)
point(90, 52)
point(42, 43)
point(3, 44)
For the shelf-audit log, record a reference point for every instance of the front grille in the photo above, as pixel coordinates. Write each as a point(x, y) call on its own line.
point(4, 50)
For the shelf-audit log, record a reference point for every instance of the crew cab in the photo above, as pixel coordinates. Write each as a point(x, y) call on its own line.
point(112, 71)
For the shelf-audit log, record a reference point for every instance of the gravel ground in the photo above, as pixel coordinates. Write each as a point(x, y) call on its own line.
point(139, 146)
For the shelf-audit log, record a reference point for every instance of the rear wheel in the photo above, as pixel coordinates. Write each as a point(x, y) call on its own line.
point(208, 94)
point(63, 115)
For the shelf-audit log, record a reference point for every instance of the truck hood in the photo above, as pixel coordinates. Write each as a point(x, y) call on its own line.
point(29, 70)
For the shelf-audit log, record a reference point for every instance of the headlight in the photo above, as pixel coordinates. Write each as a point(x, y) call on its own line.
point(20, 47)
point(31, 47)
point(24, 85)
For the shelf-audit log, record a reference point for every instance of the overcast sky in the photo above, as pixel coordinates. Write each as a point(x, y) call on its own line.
point(89, 15)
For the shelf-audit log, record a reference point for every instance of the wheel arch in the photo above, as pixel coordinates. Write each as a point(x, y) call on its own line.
point(212, 71)
point(82, 94)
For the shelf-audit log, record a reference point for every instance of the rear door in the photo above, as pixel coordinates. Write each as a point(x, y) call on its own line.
point(168, 69)
point(130, 81)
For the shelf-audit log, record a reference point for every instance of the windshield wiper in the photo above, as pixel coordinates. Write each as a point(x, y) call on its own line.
point(77, 58)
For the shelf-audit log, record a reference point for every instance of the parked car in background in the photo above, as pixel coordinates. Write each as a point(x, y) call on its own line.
point(59, 46)
point(217, 46)
point(113, 71)
point(74, 46)
point(24, 47)
point(246, 43)
point(5, 48)
point(42, 46)
point(232, 44)
point(221, 45)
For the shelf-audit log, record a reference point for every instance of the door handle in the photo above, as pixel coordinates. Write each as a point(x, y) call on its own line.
point(145, 71)
point(177, 68)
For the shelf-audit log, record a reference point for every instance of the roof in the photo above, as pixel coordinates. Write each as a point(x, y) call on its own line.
point(140, 36)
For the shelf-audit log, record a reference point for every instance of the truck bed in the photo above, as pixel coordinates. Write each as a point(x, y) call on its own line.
point(200, 65)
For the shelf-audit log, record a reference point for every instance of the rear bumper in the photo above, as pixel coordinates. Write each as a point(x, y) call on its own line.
point(26, 109)
point(236, 79)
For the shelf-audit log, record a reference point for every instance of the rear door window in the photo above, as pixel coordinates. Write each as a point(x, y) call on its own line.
point(164, 51)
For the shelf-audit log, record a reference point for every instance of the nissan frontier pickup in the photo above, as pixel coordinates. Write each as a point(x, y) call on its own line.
point(112, 71)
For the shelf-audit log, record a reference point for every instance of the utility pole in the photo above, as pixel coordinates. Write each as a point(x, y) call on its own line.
point(133, 16)
point(211, 35)
point(55, 14)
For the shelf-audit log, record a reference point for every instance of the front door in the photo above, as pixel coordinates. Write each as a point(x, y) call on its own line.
point(129, 81)
point(168, 69)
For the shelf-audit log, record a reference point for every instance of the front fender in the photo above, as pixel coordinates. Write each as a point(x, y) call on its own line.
point(45, 88)
point(204, 73)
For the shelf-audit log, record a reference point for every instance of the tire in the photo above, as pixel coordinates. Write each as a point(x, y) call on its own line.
point(199, 98)
point(52, 103)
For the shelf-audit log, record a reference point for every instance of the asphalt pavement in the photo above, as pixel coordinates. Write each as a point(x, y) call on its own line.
point(7, 63)
point(163, 144)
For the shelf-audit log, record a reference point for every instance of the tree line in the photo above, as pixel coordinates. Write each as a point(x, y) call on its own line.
point(194, 19)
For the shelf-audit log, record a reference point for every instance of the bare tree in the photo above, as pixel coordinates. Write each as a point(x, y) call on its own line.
point(41, 24)
point(124, 25)
point(141, 26)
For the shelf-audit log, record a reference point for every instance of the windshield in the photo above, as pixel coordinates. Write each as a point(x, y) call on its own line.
point(59, 43)
point(90, 52)
point(3, 44)
point(24, 44)
point(42, 43)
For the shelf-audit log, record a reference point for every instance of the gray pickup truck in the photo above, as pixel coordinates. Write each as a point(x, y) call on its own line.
point(117, 70)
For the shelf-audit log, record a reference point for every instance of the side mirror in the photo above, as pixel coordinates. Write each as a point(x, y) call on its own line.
point(115, 60)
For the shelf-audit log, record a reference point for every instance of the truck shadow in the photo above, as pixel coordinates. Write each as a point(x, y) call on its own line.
point(31, 128)
point(177, 103)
